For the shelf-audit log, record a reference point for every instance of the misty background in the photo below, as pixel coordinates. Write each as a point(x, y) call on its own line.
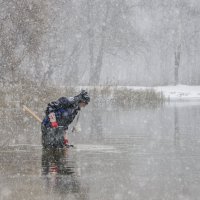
point(99, 42)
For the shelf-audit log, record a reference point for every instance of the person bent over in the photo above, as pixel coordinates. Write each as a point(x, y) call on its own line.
point(59, 115)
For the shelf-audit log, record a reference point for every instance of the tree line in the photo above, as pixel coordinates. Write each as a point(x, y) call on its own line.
point(100, 42)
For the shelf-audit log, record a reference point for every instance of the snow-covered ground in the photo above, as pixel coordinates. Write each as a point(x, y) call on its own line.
point(180, 92)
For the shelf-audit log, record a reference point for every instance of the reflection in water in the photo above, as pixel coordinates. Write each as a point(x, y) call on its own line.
point(60, 173)
point(157, 156)
point(176, 126)
point(96, 124)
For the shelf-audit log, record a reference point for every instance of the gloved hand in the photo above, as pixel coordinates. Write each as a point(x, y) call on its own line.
point(52, 118)
point(66, 141)
point(54, 124)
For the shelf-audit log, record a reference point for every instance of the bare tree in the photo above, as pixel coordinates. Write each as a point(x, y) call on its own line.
point(109, 31)
point(177, 64)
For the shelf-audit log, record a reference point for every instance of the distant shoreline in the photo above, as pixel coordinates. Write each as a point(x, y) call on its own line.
point(178, 92)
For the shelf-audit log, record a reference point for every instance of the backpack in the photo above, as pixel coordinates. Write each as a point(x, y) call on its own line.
point(61, 103)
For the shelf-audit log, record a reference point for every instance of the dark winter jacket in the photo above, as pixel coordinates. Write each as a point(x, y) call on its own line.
point(65, 110)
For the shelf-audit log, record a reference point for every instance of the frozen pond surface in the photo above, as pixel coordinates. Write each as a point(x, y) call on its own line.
point(137, 153)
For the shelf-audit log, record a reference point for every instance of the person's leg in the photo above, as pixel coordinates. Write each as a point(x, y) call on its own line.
point(44, 136)
point(66, 141)
point(48, 137)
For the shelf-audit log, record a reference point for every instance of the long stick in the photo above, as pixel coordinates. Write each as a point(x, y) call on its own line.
point(32, 113)
point(74, 129)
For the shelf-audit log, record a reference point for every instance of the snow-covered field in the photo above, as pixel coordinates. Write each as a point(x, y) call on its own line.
point(180, 92)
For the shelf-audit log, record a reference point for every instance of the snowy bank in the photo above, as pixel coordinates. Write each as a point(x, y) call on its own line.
point(179, 92)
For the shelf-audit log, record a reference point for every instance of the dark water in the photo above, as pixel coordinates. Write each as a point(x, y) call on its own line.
point(136, 153)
